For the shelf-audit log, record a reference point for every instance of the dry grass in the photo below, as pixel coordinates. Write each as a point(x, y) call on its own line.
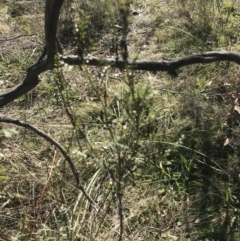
point(148, 147)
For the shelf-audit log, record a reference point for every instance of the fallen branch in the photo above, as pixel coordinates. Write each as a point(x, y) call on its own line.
point(59, 147)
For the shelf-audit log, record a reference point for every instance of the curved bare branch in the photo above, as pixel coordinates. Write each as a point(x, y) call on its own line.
point(31, 81)
point(52, 10)
point(59, 147)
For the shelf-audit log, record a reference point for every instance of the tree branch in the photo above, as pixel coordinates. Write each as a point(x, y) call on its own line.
point(52, 11)
point(59, 147)
point(150, 65)
point(31, 80)
point(170, 66)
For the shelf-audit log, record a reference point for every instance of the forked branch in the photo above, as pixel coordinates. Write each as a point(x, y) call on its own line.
point(171, 65)
point(52, 10)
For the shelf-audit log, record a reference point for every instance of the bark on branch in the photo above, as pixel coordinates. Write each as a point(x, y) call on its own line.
point(31, 80)
point(52, 10)
point(59, 147)
point(151, 65)
point(171, 65)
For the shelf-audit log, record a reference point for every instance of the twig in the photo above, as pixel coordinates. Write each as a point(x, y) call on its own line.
point(20, 36)
point(59, 147)
point(47, 181)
